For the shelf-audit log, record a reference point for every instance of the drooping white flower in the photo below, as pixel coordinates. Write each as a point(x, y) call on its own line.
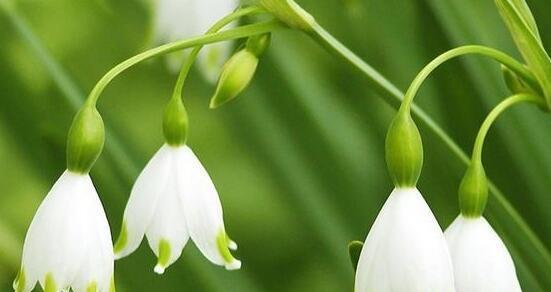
point(405, 250)
point(180, 19)
point(481, 261)
point(68, 243)
point(172, 200)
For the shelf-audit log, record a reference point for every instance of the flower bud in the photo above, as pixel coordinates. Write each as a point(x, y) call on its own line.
point(85, 141)
point(175, 123)
point(473, 191)
point(404, 151)
point(239, 70)
point(236, 76)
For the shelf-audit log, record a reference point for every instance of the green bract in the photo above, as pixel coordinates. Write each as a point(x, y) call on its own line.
point(404, 150)
point(85, 140)
point(290, 13)
point(473, 191)
point(175, 122)
point(523, 28)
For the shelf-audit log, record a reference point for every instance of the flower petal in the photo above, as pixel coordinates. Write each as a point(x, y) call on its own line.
point(405, 249)
point(167, 233)
point(96, 270)
point(175, 19)
point(481, 261)
point(142, 202)
point(204, 211)
point(50, 253)
point(180, 19)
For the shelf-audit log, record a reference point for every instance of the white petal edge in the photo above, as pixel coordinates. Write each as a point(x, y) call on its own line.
point(204, 216)
point(142, 203)
point(405, 249)
point(480, 259)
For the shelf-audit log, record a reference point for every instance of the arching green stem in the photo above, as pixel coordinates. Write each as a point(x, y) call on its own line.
point(499, 56)
point(178, 88)
point(473, 190)
point(393, 96)
point(236, 33)
point(494, 114)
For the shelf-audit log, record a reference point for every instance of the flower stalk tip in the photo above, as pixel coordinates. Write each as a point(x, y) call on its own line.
point(404, 150)
point(473, 191)
point(175, 122)
point(85, 140)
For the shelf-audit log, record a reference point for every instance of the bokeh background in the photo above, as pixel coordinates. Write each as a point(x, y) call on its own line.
point(298, 159)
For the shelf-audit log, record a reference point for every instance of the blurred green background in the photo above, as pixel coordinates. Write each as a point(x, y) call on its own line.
point(298, 160)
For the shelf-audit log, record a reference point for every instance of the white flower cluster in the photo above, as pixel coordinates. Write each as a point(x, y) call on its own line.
point(406, 251)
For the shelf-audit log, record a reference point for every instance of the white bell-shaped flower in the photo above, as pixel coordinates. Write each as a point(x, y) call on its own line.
point(68, 244)
point(172, 200)
point(180, 19)
point(405, 250)
point(481, 261)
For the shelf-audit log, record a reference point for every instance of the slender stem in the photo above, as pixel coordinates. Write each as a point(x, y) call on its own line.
point(240, 32)
point(119, 159)
point(393, 96)
point(501, 57)
point(178, 88)
point(378, 82)
point(496, 112)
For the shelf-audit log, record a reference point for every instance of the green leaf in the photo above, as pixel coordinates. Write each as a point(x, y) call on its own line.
point(526, 15)
point(523, 28)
